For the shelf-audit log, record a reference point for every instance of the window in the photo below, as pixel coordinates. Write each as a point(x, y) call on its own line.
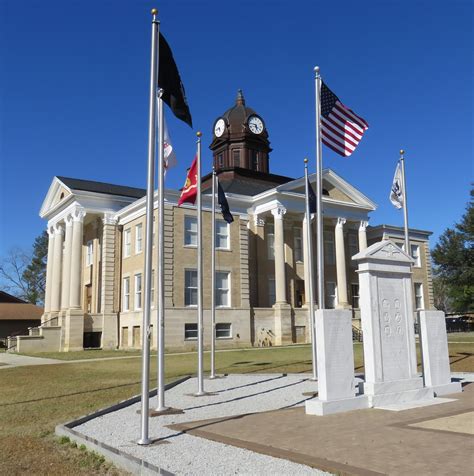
point(419, 296)
point(254, 160)
point(415, 254)
point(298, 246)
point(90, 253)
point(270, 242)
point(329, 251)
point(220, 160)
point(190, 231)
point(236, 157)
point(190, 331)
point(190, 287)
point(223, 331)
point(330, 295)
point(127, 242)
point(353, 247)
point(222, 289)
point(138, 291)
point(222, 235)
point(126, 294)
point(138, 238)
point(355, 296)
point(400, 244)
point(271, 290)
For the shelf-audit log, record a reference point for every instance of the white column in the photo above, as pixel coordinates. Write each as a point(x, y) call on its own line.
point(49, 271)
point(279, 247)
point(341, 265)
point(57, 264)
point(66, 264)
point(363, 235)
point(76, 260)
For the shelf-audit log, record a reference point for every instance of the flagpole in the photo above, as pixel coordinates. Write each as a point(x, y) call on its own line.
point(309, 265)
point(145, 404)
point(200, 391)
point(405, 208)
point(213, 277)
point(160, 255)
point(319, 191)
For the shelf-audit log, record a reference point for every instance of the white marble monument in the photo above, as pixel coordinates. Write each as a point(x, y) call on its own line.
point(335, 355)
point(388, 327)
point(436, 354)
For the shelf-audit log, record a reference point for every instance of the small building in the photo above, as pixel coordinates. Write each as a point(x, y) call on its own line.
point(16, 316)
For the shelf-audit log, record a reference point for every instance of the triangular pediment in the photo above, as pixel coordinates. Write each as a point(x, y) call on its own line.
point(334, 188)
point(58, 192)
point(385, 250)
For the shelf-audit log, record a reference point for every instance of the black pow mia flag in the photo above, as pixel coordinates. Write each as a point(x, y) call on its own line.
point(311, 199)
point(170, 81)
point(224, 204)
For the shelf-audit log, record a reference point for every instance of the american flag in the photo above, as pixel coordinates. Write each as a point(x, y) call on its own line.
point(341, 128)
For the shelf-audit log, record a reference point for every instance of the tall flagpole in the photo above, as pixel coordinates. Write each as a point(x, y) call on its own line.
point(200, 326)
point(405, 208)
point(213, 277)
point(144, 438)
point(319, 191)
point(160, 252)
point(309, 254)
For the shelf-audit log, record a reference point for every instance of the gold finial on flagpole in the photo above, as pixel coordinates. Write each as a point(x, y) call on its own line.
point(154, 11)
point(305, 160)
point(402, 152)
point(199, 133)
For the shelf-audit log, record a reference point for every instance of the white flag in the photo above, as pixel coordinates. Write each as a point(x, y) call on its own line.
point(396, 193)
point(168, 153)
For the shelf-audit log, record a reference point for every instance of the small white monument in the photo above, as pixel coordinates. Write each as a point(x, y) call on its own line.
point(436, 353)
point(335, 355)
point(386, 304)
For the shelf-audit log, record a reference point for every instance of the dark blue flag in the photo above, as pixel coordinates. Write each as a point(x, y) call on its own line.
point(222, 200)
point(311, 199)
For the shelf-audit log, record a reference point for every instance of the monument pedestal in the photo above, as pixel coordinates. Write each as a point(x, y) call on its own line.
point(283, 328)
point(336, 382)
point(74, 330)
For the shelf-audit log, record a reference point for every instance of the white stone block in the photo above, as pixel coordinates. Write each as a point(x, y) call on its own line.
point(435, 353)
point(327, 407)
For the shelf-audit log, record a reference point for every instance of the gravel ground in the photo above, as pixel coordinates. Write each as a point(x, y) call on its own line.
point(190, 455)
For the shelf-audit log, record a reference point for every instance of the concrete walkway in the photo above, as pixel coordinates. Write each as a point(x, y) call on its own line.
point(16, 360)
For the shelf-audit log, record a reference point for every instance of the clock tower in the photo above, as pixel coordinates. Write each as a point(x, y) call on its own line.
point(240, 140)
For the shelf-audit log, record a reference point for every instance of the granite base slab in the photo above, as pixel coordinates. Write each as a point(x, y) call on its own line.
point(400, 397)
point(328, 407)
point(447, 388)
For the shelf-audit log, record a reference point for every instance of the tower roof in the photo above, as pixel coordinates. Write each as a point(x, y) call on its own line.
point(237, 115)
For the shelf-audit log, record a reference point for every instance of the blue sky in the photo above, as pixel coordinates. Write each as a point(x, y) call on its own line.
point(74, 94)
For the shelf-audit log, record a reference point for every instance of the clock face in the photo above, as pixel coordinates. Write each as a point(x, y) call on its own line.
point(219, 127)
point(255, 124)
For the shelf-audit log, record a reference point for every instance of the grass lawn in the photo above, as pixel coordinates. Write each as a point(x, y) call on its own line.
point(36, 398)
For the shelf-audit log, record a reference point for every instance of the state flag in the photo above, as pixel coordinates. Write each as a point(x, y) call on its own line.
point(189, 191)
point(224, 204)
point(396, 192)
point(169, 157)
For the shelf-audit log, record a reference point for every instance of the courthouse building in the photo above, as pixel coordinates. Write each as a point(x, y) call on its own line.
point(94, 289)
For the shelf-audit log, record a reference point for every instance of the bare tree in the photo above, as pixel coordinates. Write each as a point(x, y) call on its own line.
point(12, 268)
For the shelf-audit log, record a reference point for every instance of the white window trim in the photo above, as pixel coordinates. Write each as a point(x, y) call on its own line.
point(422, 297)
point(352, 296)
point(184, 234)
point(89, 252)
point(139, 226)
point(197, 287)
point(220, 248)
point(190, 338)
point(127, 232)
point(270, 256)
point(417, 259)
point(329, 239)
point(335, 293)
point(295, 239)
point(229, 290)
point(139, 306)
point(125, 309)
point(230, 337)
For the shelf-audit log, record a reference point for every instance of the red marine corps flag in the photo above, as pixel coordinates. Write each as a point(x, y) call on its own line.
point(189, 191)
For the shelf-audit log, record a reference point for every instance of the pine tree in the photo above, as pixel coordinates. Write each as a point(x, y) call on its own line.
point(35, 273)
point(453, 257)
